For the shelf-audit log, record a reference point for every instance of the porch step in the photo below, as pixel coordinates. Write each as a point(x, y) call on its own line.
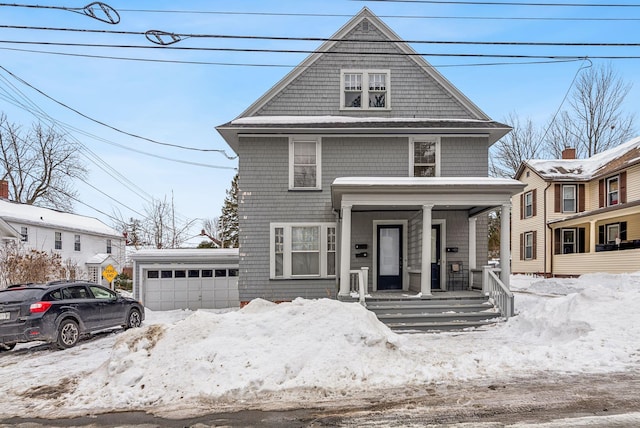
point(434, 314)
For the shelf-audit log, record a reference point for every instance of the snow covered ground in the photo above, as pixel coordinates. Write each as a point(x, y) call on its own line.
point(313, 351)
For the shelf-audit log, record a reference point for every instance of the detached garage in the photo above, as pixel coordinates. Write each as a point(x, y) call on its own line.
point(186, 279)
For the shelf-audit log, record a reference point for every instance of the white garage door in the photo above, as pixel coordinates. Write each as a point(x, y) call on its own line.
point(166, 289)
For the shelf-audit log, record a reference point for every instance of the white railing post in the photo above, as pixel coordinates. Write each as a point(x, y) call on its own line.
point(364, 283)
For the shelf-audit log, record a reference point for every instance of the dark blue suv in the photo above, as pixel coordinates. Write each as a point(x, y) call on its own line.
point(61, 312)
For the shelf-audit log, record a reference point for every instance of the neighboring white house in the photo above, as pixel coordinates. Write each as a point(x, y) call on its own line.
point(82, 242)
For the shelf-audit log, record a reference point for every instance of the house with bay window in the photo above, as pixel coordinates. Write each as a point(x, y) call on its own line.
point(579, 216)
point(365, 158)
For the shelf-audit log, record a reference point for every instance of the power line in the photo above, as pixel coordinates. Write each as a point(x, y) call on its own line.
point(96, 10)
point(338, 15)
point(109, 126)
point(244, 64)
point(157, 35)
point(493, 3)
point(307, 51)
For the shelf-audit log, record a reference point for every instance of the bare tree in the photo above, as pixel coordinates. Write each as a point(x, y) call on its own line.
point(162, 228)
point(211, 229)
point(595, 120)
point(521, 144)
point(39, 165)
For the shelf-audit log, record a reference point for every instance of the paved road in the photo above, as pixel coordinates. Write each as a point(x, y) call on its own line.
point(487, 404)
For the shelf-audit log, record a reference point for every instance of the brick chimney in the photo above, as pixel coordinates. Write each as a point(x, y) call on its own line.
point(569, 153)
point(4, 189)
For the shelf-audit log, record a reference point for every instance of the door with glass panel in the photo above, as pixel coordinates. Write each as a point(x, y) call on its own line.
point(389, 260)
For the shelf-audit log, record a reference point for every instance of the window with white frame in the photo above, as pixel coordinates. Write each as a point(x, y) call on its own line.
point(528, 204)
point(365, 89)
point(58, 240)
point(424, 157)
point(528, 246)
point(24, 234)
point(76, 243)
point(108, 246)
point(569, 198)
point(613, 233)
point(304, 163)
point(613, 192)
point(568, 241)
point(300, 250)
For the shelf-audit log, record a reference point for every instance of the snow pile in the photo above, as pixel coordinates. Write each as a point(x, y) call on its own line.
point(308, 351)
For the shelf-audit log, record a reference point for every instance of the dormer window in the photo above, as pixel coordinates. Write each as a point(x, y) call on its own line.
point(365, 89)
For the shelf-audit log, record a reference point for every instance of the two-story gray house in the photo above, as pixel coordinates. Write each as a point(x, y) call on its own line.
point(345, 160)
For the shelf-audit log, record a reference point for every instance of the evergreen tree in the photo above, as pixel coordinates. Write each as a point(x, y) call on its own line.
point(228, 221)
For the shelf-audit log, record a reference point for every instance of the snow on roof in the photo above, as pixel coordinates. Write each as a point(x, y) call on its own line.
point(587, 168)
point(287, 120)
point(186, 254)
point(421, 181)
point(45, 217)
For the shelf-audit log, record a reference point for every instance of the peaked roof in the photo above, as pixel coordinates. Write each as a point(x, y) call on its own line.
point(598, 165)
point(45, 217)
point(365, 13)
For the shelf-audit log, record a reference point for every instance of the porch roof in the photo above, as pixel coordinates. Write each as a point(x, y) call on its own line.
point(474, 194)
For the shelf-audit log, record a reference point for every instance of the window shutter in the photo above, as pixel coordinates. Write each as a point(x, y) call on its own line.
point(581, 239)
point(623, 230)
point(581, 197)
point(601, 193)
point(557, 197)
point(522, 246)
point(623, 187)
point(522, 206)
point(601, 237)
point(535, 244)
point(534, 203)
point(557, 245)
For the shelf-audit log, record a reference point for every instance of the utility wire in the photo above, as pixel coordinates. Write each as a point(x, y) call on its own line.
point(109, 126)
point(244, 64)
point(494, 3)
point(307, 51)
point(155, 35)
point(96, 10)
point(338, 15)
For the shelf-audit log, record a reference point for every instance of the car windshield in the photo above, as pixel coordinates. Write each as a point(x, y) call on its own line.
point(15, 295)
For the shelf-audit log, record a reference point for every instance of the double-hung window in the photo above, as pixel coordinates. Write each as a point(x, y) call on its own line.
point(24, 234)
point(108, 246)
point(569, 198)
point(76, 243)
point(568, 241)
point(304, 163)
point(365, 89)
point(528, 204)
point(300, 250)
point(424, 157)
point(613, 191)
point(613, 233)
point(58, 240)
point(528, 246)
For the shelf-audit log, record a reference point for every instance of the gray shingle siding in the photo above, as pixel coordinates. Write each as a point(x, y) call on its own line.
point(464, 157)
point(412, 91)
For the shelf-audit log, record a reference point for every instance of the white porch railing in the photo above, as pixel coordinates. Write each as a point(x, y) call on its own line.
point(497, 291)
point(358, 280)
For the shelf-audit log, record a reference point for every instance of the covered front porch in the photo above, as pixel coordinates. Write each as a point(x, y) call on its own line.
point(381, 232)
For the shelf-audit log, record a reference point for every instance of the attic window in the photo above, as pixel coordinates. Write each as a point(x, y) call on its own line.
point(365, 26)
point(365, 89)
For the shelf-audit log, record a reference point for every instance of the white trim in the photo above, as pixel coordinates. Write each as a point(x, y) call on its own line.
point(322, 250)
point(405, 251)
point(428, 139)
point(364, 101)
point(305, 139)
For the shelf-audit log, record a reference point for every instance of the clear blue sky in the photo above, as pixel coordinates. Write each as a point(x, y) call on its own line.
point(181, 103)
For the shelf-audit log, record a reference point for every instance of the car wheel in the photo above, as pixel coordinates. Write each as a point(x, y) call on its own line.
point(134, 319)
point(7, 346)
point(68, 334)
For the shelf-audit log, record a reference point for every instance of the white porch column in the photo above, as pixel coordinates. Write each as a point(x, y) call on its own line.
point(345, 250)
point(425, 276)
point(592, 236)
point(505, 237)
point(472, 243)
